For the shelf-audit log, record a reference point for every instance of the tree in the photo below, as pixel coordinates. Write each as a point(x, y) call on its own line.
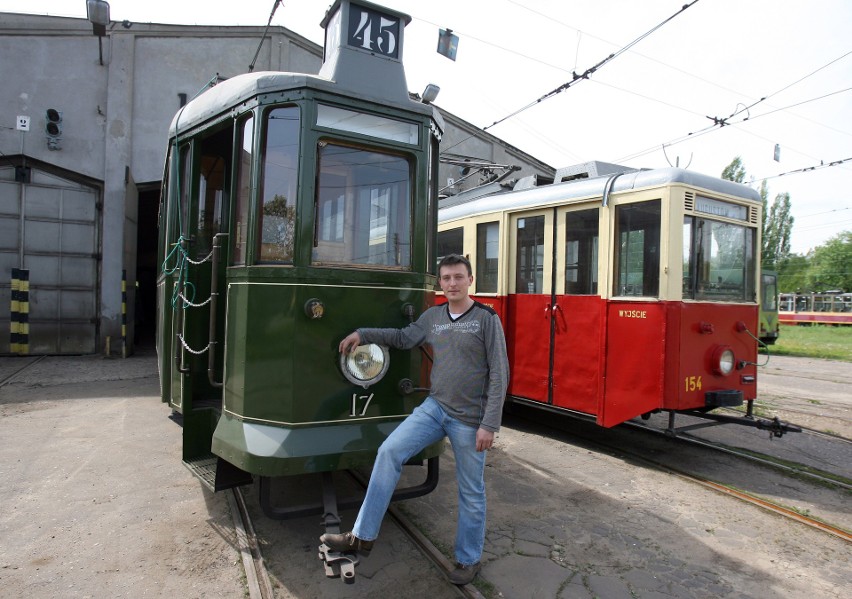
point(278, 232)
point(793, 274)
point(735, 171)
point(777, 232)
point(831, 264)
point(776, 221)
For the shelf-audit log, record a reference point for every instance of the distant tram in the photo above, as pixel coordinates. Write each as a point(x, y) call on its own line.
point(296, 208)
point(623, 294)
point(769, 326)
point(830, 307)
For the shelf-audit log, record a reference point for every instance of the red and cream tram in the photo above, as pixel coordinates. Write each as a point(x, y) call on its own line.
point(621, 295)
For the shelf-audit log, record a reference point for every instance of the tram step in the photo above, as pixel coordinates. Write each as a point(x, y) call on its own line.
point(216, 474)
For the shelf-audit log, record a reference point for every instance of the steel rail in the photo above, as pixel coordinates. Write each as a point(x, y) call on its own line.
point(469, 591)
point(763, 503)
point(10, 377)
point(257, 576)
point(746, 497)
point(686, 438)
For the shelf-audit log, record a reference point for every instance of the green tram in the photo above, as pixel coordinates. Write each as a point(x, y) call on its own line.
point(296, 208)
point(769, 325)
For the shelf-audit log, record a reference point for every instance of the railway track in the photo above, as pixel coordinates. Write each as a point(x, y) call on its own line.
point(10, 377)
point(595, 438)
point(258, 577)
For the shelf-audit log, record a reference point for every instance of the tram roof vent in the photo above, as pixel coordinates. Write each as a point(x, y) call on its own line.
point(363, 49)
point(527, 182)
point(588, 170)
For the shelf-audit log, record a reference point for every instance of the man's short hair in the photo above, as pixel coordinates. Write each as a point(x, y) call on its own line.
point(452, 260)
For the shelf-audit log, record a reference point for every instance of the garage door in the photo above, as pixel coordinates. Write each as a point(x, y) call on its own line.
point(50, 227)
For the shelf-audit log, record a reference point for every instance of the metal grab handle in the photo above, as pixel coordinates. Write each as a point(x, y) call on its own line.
point(214, 300)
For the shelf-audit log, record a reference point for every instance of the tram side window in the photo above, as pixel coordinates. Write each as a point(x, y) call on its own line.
point(363, 208)
point(212, 188)
point(184, 183)
point(581, 252)
point(487, 257)
point(719, 260)
point(637, 249)
point(450, 241)
point(529, 261)
point(240, 232)
point(277, 219)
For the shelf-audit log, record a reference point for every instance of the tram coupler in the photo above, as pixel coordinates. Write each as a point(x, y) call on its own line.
point(336, 564)
point(777, 427)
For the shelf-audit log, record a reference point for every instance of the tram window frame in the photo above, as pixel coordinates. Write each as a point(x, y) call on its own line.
point(582, 244)
point(432, 208)
point(167, 200)
point(277, 216)
point(529, 254)
point(705, 278)
point(370, 205)
point(243, 164)
point(214, 185)
point(487, 257)
point(638, 226)
point(450, 241)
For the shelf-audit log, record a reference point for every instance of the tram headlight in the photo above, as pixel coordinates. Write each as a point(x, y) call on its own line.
point(723, 360)
point(366, 365)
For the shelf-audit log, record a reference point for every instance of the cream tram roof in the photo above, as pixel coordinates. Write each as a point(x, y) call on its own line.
point(459, 206)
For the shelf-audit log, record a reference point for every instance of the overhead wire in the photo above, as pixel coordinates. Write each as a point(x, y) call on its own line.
point(586, 74)
point(718, 121)
point(591, 70)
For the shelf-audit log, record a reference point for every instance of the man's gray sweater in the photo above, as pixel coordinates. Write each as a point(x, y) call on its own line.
point(470, 373)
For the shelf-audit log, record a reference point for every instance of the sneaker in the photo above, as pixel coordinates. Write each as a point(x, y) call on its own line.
point(346, 542)
point(464, 574)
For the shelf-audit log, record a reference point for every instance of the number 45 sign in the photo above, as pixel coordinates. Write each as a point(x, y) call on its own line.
point(374, 31)
point(22, 123)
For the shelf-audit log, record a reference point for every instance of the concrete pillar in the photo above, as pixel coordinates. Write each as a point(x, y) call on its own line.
point(118, 149)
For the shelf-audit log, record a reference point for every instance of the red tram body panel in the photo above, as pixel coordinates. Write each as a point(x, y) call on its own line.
point(616, 360)
point(620, 295)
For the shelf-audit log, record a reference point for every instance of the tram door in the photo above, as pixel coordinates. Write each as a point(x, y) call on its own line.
point(554, 311)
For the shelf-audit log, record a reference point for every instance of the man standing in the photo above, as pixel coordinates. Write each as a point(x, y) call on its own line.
point(470, 375)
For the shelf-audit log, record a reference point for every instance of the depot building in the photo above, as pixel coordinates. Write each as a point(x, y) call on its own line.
point(85, 108)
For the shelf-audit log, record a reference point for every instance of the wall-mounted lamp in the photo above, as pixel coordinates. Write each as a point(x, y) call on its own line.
point(430, 93)
point(97, 12)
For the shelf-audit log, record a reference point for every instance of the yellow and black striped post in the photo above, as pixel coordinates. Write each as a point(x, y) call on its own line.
point(123, 313)
point(19, 341)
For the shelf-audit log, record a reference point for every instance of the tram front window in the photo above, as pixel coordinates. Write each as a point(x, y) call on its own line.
point(363, 208)
point(278, 190)
point(719, 261)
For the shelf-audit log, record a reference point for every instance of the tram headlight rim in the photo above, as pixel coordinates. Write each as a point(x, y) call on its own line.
point(366, 365)
point(724, 360)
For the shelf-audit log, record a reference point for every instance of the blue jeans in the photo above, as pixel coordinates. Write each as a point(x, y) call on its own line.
point(428, 424)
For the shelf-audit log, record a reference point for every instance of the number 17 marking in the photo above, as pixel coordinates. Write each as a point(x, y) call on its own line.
point(365, 398)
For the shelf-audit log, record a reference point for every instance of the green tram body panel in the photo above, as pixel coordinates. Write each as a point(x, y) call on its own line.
point(272, 399)
point(287, 409)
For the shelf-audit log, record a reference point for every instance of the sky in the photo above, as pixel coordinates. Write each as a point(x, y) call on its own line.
point(720, 79)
